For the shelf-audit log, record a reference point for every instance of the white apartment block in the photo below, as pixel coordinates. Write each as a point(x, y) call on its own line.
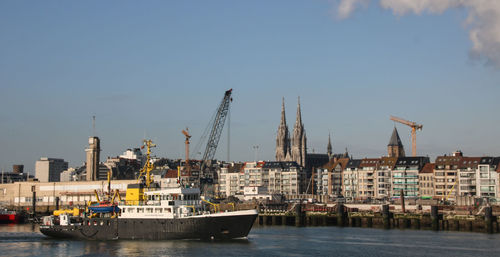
point(487, 177)
point(350, 178)
point(322, 180)
point(367, 181)
point(277, 177)
point(229, 177)
point(284, 177)
point(383, 177)
point(467, 176)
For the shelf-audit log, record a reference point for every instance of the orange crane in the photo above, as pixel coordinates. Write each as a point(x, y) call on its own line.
point(188, 136)
point(414, 127)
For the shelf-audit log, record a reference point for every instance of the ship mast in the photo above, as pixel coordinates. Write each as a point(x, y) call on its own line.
point(148, 166)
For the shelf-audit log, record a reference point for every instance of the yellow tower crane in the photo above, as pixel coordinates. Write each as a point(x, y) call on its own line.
point(414, 127)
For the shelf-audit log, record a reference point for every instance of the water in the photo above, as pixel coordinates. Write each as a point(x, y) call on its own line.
point(25, 240)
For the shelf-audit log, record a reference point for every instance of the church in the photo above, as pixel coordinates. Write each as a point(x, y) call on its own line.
point(291, 149)
point(294, 149)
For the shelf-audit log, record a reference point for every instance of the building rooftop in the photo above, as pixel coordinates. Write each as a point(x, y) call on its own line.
point(369, 162)
point(428, 168)
point(353, 164)
point(419, 161)
point(282, 165)
point(388, 161)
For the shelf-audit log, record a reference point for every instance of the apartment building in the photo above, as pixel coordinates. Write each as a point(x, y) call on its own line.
point(405, 176)
point(329, 177)
point(321, 179)
point(383, 177)
point(336, 178)
point(487, 177)
point(426, 181)
point(446, 177)
point(366, 177)
point(284, 177)
point(253, 175)
point(229, 176)
point(467, 176)
point(350, 178)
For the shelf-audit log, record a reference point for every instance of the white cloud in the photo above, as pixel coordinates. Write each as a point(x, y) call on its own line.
point(483, 20)
point(346, 7)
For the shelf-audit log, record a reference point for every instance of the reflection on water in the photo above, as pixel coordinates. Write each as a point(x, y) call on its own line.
point(25, 240)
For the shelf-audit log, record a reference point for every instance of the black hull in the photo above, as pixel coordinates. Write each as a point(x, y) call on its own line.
point(204, 228)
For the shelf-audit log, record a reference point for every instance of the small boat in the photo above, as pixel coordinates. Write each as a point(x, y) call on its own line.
point(104, 207)
point(9, 217)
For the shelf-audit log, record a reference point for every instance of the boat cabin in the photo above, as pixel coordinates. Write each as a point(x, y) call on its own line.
point(165, 203)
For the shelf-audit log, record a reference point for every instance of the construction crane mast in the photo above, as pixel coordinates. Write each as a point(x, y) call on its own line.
point(414, 127)
point(215, 133)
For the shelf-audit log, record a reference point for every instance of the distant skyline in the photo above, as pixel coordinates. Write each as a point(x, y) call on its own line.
point(151, 69)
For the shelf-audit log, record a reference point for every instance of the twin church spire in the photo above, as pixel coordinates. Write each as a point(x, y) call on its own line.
point(295, 148)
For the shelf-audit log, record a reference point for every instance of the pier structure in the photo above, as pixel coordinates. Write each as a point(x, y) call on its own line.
point(383, 217)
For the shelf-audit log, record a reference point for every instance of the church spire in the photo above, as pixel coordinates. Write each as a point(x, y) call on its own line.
point(395, 147)
point(283, 118)
point(299, 149)
point(329, 149)
point(299, 115)
point(283, 137)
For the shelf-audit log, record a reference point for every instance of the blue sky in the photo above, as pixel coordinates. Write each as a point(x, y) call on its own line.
point(152, 68)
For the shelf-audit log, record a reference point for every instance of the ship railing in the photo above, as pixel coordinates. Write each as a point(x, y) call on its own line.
point(134, 202)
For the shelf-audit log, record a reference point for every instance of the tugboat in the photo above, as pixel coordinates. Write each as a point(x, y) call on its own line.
point(152, 212)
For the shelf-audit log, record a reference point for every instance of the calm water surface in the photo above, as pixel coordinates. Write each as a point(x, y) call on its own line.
point(25, 240)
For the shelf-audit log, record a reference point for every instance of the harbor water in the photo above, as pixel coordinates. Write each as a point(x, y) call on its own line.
point(25, 240)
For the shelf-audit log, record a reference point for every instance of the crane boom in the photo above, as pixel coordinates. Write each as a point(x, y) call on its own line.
point(215, 133)
point(414, 127)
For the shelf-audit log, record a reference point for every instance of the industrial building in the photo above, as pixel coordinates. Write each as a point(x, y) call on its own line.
point(49, 169)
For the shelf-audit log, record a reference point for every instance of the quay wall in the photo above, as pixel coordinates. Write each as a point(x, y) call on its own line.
point(385, 218)
point(19, 195)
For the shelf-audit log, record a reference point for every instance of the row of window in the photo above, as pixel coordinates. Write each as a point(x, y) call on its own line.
point(146, 210)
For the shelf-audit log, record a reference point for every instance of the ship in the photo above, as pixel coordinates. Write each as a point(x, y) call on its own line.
point(152, 210)
point(10, 217)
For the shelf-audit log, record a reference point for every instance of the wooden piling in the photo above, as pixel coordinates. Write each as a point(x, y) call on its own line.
point(435, 217)
point(274, 220)
point(488, 219)
point(386, 216)
point(299, 216)
point(341, 215)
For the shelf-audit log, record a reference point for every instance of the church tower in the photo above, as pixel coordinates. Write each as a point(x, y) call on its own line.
point(395, 147)
point(283, 138)
point(329, 148)
point(299, 149)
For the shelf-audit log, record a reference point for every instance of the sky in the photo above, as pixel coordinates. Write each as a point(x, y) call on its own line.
point(150, 69)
